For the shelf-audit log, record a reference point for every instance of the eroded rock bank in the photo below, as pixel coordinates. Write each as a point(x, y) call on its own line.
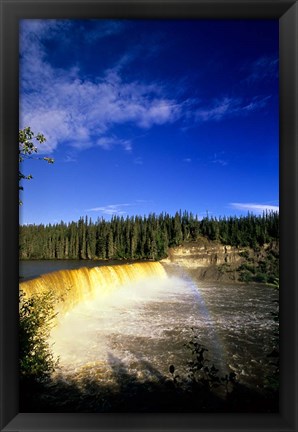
point(212, 261)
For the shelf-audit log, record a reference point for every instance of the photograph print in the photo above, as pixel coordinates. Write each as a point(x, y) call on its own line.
point(149, 216)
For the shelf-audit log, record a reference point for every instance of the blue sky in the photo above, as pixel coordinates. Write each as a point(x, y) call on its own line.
point(146, 116)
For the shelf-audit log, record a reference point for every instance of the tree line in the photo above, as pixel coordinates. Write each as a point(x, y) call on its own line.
point(137, 237)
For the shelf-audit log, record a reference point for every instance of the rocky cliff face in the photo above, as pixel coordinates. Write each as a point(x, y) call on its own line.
point(196, 255)
point(212, 261)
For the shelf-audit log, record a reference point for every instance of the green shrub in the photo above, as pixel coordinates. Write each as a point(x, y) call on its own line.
point(37, 318)
point(246, 276)
point(202, 374)
point(244, 254)
point(261, 277)
point(274, 253)
point(247, 267)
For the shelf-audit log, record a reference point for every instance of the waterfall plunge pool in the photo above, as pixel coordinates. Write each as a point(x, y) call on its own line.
point(137, 331)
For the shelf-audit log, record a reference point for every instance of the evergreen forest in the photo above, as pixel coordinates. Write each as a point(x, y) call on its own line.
point(138, 238)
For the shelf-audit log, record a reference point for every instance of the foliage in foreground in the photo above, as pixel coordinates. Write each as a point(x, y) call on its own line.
point(208, 391)
point(198, 389)
point(201, 375)
point(37, 317)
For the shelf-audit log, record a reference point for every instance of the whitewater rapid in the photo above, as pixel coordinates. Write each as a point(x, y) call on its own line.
point(135, 323)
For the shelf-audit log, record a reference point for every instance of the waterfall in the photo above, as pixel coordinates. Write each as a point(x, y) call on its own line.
point(75, 286)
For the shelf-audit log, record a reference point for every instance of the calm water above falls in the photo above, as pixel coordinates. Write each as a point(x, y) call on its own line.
point(29, 269)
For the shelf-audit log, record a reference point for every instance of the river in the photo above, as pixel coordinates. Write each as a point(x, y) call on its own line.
point(141, 328)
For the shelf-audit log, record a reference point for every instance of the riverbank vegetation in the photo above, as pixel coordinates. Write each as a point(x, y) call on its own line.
point(260, 267)
point(140, 238)
point(36, 361)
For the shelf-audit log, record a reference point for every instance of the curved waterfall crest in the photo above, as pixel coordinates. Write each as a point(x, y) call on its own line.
point(75, 286)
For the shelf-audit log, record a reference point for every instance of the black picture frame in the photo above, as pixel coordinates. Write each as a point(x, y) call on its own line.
point(287, 14)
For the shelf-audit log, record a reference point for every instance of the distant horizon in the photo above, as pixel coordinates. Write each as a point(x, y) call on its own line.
point(108, 219)
point(150, 116)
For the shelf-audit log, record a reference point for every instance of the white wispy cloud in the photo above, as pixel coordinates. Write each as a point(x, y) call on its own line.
point(83, 112)
point(215, 112)
point(104, 28)
point(80, 111)
point(230, 107)
point(219, 159)
point(255, 104)
point(138, 161)
point(118, 209)
point(111, 209)
point(254, 207)
point(70, 158)
point(263, 68)
point(109, 142)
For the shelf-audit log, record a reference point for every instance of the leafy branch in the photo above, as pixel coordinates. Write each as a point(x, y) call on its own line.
point(27, 150)
point(200, 373)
